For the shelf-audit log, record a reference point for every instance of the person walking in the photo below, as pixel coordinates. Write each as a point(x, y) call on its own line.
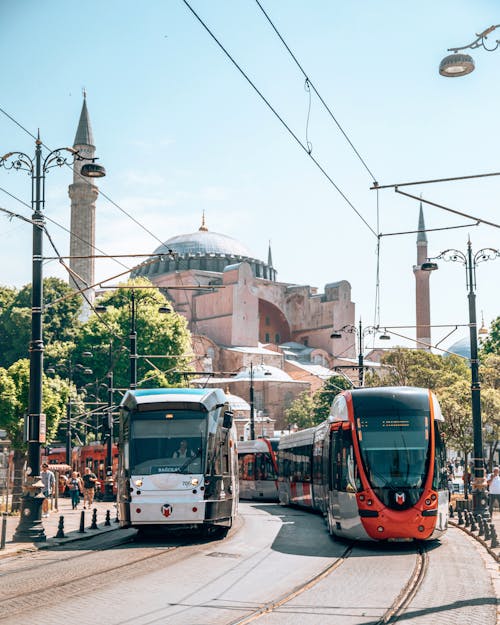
point(74, 486)
point(89, 484)
point(49, 480)
point(494, 488)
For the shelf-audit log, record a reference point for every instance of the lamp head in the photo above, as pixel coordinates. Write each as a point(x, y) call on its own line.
point(384, 337)
point(455, 65)
point(429, 266)
point(93, 170)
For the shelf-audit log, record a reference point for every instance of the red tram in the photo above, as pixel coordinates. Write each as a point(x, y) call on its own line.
point(92, 456)
point(376, 468)
point(258, 469)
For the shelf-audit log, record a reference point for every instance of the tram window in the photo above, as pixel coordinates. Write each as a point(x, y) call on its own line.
point(440, 480)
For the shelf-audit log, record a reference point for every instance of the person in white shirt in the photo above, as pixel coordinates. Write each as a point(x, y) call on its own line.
point(183, 451)
point(494, 488)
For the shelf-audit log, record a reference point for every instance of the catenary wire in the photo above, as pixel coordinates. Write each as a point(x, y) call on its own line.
point(306, 76)
point(278, 116)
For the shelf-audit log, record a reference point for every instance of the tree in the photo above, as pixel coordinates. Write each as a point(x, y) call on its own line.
point(301, 412)
point(491, 344)
point(310, 410)
point(158, 334)
point(14, 399)
point(416, 367)
point(60, 318)
point(323, 398)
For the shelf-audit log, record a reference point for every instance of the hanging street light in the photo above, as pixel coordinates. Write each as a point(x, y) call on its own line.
point(458, 64)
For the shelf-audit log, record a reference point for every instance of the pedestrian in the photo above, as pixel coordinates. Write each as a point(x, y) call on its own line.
point(494, 488)
point(89, 484)
point(74, 486)
point(49, 480)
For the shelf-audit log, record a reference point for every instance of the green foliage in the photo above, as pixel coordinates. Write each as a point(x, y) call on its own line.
point(323, 398)
point(491, 345)
point(14, 398)
point(301, 411)
point(60, 319)
point(416, 367)
point(107, 337)
point(309, 410)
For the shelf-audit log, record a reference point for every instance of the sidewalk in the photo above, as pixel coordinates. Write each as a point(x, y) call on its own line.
point(72, 520)
point(494, 551)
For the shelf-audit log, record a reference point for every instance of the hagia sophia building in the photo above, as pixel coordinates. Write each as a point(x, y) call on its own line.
point(273, 335)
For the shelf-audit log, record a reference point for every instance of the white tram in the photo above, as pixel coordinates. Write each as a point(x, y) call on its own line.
point(177, 465)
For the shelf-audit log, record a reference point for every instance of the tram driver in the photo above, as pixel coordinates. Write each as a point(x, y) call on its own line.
point(183, 451)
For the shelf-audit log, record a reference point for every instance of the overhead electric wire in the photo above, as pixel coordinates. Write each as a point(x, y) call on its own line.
point(278, 116)
point(309, 81)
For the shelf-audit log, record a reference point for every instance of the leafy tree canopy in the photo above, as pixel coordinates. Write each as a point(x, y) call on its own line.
point(106, 337)
point(14, 397)
point(60, 318)
point(309, 410)
point(491, 344)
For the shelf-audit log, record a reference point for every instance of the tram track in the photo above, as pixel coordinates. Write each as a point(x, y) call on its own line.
point(392, 614)
point(92, 575)
point(409, 591)
point(269, 607)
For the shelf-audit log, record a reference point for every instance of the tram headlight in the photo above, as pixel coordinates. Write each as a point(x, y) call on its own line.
point(361, 497)
point(369, 502)
point(138, 483)
point(195, 481)
point(427, 502)
point(380, 529)
point(433, 497)
point(421, 528)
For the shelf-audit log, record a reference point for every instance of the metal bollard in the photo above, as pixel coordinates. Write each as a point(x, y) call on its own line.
point(93, 525)
point(473, 525)
point(481, 522)
point(4, 531)
point(108, 518)
point(82, 522)
point(487, 531)
point(117, 520)
point(451, 511)
point(460, 517)
point(60, 528)
point(467, 518)
point(494, 537)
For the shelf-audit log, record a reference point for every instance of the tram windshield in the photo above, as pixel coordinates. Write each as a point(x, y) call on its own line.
point(394, 448)
point(168, 441)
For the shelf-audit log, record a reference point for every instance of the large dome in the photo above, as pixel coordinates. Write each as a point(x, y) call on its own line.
point(202, 251)
point(204, 242)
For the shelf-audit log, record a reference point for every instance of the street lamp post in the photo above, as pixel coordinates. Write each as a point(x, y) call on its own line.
point(458, 64)
point(360, 333)
point(470, 261)
point(30, 528)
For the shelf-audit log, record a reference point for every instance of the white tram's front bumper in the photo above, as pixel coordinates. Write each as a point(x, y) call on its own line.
point(167, 499)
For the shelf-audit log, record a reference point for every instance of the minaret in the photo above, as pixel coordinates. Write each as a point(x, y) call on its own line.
point(83, 194)
point(422, 297)
point(269, 256)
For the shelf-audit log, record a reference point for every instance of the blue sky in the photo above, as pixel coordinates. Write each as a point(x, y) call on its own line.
point(180, 131)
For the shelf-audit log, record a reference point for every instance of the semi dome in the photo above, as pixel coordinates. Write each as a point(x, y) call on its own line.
point(204, 242)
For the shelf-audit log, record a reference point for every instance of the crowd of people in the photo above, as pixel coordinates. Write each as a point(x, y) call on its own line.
point(79, 487)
